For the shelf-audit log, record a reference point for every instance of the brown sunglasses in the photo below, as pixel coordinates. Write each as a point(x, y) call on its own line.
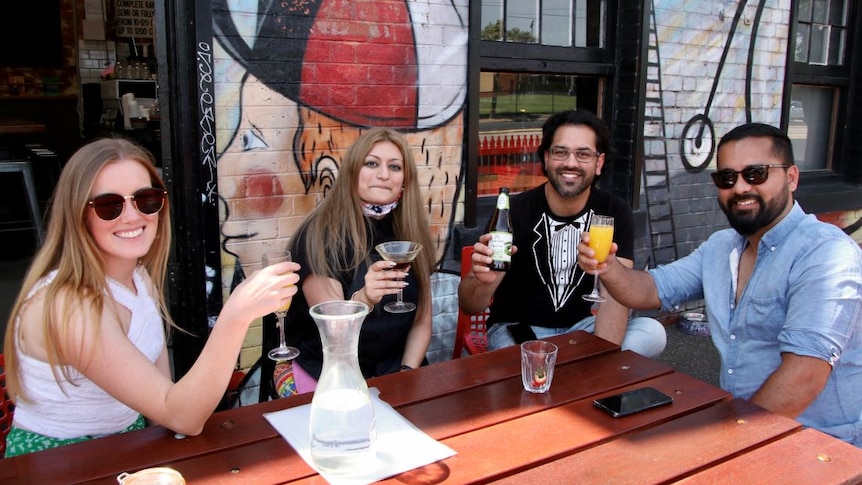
point(148, 201)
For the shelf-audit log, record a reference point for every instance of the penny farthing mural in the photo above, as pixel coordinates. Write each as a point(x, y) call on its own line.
point(297, 82)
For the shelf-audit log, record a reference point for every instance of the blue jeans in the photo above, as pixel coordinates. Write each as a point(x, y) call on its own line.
point(644, 335)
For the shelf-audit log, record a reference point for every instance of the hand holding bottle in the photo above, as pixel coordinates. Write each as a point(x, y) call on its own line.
point(500, 229)
point(481, 259)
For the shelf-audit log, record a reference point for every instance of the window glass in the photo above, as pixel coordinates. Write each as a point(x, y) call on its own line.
point(557, 22)
point(821, 32)
point(836, 47)
point(563, 23)
point(838, 13)
point(521, 21)
point(812, 111)
point(819, 36)
point(804, 10)
point(819, 53)
point(512, 109)
point(803, 33)
point(820, 11)
point(590, 23)
point(492, 20)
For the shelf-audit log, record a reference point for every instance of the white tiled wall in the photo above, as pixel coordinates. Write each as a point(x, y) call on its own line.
point(444, 292)
point(93, 57)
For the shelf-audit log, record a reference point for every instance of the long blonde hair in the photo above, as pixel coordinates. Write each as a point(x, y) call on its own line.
point(70, 249)
point(336, 230)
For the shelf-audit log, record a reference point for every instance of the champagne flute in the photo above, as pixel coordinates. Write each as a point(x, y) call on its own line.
point(402, 252)
point(283, 351)
point(601, 237)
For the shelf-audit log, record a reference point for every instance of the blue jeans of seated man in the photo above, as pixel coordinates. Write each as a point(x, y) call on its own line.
point(644, 335)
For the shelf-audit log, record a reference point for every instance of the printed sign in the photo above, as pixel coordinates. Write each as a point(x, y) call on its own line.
point(135, 18)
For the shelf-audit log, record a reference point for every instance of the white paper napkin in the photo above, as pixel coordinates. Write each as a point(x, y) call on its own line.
point(400, 445)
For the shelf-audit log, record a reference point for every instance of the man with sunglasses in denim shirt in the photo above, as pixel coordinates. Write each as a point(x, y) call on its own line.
point(783, 290)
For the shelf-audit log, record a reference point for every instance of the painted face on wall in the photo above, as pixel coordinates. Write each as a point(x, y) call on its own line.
point(266, 182)
point(751, 208)
point(568, 176)
point(271, 177)
point(294, 92)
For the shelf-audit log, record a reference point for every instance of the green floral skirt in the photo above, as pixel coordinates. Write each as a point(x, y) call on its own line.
point(19, 441)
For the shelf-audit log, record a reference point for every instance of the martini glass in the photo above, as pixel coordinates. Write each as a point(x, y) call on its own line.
point(283, 351)
point(402, 253)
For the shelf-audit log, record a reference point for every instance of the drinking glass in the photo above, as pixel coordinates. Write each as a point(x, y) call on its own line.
point(601, 237)
point(538, 359)
point(283, 351)
point(402, 252)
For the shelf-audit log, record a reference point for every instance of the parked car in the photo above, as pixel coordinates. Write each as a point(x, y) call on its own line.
point(796, 111)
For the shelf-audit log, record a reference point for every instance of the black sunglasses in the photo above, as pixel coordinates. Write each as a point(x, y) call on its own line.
point(752, 174)
point(109, 206)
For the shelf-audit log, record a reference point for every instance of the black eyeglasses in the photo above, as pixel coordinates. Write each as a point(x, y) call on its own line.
point(752, 174)
point(109, 206)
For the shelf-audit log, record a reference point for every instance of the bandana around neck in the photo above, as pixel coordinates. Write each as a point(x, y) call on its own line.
point(377, 210)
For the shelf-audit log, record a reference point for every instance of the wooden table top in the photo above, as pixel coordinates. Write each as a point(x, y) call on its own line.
point(502, 434)
point(20, 127)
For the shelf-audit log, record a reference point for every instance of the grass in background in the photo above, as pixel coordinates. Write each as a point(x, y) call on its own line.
point(525, 105)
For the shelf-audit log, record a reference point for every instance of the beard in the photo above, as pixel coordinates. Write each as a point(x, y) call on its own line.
point(569, 189)
point(749, 221)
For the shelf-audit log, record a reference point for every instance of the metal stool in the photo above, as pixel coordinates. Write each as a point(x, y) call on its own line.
point(30, 188)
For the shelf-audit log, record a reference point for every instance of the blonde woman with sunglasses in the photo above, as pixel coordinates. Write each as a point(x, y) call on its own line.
point(85, 344)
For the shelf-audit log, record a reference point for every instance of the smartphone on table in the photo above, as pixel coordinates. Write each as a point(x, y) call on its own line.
point(633, 401)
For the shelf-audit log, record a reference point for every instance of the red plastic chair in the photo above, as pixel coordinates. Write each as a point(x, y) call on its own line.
point(6, 408)
point(471, 334)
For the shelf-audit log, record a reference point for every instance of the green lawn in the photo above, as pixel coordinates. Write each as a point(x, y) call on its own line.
point(526, 104)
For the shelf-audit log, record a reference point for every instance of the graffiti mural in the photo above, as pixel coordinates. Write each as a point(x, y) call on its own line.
point(712, 66)
point(298, 80)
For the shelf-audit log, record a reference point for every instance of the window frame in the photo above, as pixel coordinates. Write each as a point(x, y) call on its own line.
point(521, 58)
point(837, 187)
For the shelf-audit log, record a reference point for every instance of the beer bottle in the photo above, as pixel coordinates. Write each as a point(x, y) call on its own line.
point(500, 227)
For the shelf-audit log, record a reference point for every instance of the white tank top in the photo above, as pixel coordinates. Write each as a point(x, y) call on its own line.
point(85, 409)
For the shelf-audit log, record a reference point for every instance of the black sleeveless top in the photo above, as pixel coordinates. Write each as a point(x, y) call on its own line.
point(383, 335)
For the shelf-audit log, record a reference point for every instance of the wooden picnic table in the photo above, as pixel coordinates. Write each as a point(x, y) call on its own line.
point(501, 434)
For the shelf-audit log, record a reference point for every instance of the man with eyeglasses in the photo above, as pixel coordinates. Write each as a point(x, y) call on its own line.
point(783, 290)
point(541, 293)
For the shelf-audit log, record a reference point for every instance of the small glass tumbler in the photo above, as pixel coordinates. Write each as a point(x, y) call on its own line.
point(537, 365)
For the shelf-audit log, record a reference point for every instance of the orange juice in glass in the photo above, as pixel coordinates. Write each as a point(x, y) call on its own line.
point(601, 237)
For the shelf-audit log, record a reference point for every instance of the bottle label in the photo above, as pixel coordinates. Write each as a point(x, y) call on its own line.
point(501, 244)
point(503, 201)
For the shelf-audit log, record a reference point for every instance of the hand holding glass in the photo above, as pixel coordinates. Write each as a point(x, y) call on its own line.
point(601, 237)
point(402, 252)
point(283, 351)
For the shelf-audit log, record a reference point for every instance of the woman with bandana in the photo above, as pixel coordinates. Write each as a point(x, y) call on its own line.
point(375, 199)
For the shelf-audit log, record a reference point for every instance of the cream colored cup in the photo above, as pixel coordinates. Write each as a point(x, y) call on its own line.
point(152, 476)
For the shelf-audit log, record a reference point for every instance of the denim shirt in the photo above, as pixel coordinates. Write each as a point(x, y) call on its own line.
point(803, 297)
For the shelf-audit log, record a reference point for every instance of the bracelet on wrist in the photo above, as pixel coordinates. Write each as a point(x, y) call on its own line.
point(405, 367)
point(354, 298)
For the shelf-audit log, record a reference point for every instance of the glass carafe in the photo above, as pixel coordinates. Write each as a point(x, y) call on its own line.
point(342, 426)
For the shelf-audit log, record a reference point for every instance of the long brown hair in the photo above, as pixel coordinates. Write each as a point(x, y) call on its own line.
point(336, 229)
point(69, 249)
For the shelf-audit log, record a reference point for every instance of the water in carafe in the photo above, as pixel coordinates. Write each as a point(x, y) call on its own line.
point(342, 424)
